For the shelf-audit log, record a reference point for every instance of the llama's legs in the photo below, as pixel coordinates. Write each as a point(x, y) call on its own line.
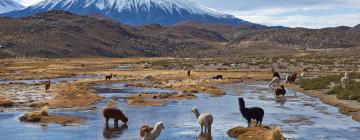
point(116, 121)
point(260, 122)
point(209, 129)
point(107, 121)
point(249, 123)
point(202, 128)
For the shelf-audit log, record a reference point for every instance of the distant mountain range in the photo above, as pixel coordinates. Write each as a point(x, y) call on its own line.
point(135, 12)
point(63, 34)
point(9, 5)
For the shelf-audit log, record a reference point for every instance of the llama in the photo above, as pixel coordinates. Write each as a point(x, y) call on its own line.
point(47, 86)
point(291, 78)
point(217, 77)
point(280, 91)
point(345, 81)
point(205, 120)
point(275, 82)
point(108, 77)
point(116, 114)
point(148, 133)
point(251, 113)
point(188, 73)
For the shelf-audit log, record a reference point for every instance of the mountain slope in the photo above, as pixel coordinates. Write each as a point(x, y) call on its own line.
point(9, 5)
point(62, 34)
point(135, 12)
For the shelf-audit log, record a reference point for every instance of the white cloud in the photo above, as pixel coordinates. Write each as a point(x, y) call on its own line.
point(28, 2)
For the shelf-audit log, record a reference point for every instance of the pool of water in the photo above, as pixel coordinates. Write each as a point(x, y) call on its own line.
point(299, 116)
point(54, 80)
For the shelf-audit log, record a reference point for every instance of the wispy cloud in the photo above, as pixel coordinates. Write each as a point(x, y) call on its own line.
point(28, 2)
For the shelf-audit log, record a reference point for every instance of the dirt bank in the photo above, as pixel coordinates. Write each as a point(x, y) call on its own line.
point(147, 99)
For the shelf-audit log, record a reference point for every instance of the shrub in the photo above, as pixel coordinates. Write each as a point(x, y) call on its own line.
point(319, 83)
point(351, 93)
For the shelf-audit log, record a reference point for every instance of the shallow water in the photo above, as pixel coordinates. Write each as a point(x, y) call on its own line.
point(300, 116)
point(54, 80)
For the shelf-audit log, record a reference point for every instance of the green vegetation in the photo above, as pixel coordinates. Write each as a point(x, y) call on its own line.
point(320, 82)
point(350, 93)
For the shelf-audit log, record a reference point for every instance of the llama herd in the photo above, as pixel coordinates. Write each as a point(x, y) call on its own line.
point(205, 120)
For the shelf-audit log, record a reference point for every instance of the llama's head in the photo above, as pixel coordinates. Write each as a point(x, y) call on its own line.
point(125, 120)
point(241, 103)
point(194, 109)
point(276, 74)
point(160, 125)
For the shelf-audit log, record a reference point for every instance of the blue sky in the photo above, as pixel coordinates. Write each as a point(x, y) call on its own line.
point(291, 13)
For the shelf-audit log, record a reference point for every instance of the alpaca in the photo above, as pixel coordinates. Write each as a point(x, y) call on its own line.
point(189, 73)
point(116, 114)
point(280, 91)
point(251, 113)
point(291, 78)
point(205, 120)
point(47, 86)
point(217, 77)
point(108, 77)
point(148, 133)
point(345, 81)
point(275, 82)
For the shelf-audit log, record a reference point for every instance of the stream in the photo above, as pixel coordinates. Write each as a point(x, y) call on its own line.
point(299, 116)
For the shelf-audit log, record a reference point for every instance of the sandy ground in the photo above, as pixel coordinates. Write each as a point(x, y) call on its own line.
point(256, 133)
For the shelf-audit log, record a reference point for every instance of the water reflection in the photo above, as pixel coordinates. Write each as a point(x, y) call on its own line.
point(114, 132)
point(281, 100)
point(204, 136)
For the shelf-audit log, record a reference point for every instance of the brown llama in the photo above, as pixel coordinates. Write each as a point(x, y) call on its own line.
point(189, 73)
point(115, 114)
point(108, 77)
point(280, 91)
point(47, 86)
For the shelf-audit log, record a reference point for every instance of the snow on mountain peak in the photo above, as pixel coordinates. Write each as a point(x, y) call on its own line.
point(9, 5)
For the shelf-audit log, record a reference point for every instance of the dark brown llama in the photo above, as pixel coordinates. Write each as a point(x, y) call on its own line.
point(47, 86)
point(251, 113)
point(115, 114)
point(108, 77)
point(280, 91)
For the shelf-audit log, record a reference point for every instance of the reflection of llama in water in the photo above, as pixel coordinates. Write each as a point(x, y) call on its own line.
point(204, 136)
point(114, 132)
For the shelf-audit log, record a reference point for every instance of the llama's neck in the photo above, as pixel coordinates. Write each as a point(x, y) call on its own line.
point(156, 132)
point(197, 114)
point(242, 106)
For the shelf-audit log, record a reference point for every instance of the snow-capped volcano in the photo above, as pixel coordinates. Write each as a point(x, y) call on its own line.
point(9, 5)
point(134, 12)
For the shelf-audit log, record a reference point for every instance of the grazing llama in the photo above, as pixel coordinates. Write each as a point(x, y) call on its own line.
point(108, 77)
point(251, 113)
point(148, 133)
point(217, 77)
point(115, 114)
point(345, 81)
point(280, 91)
point(291, 78)
point(205, 120)
point(47, 86)
point(275, 82)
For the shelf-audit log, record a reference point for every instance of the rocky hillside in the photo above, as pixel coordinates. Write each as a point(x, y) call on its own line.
point(62, 34)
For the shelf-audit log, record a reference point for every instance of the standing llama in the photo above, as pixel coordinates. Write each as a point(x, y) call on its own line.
point(205, 120)
point(345, 81)
point(280, 91)
point(116, 114)
point(108, 77)
point(251, 113)
point(47, 86)
point(275, 82)
point(148, 133)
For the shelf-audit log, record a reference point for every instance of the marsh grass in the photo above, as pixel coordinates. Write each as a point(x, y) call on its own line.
point(350, 93)
point(319, 83)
